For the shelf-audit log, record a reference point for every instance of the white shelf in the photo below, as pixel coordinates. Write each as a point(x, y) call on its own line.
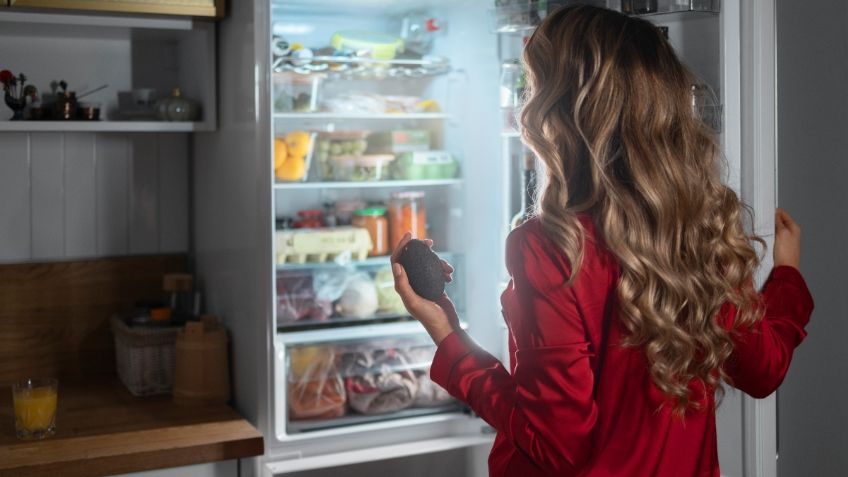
point(103, 126)
point(361, 116)
point(365, 184)
point(92, 19)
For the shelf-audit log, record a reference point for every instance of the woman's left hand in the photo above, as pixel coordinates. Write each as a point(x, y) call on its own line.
point(439, 318)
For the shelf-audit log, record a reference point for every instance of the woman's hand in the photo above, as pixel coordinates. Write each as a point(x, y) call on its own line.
point(439, 318)
point(787, 240)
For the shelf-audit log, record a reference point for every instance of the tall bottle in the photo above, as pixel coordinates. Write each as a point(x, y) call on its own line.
point(528, 186)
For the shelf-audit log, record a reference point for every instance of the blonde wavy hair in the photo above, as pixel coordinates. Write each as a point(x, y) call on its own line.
point(608, 112)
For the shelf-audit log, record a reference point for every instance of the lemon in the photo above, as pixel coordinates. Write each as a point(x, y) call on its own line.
point(281, 152)
point(298, 144)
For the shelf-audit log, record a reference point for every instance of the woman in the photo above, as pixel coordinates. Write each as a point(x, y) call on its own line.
point(631, 297)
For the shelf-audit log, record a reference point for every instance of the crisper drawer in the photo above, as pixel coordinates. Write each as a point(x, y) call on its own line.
point(313, 296)
point(351, 381)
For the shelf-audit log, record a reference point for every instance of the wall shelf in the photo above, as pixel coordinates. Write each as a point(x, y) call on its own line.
point(103, 126)
point(366, 184)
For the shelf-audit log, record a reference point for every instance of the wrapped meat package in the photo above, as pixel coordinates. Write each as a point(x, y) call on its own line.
point(429, 393)
point(379, 381)
point(315, 389)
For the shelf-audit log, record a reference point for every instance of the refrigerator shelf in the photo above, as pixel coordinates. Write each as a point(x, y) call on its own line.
point(349, 262)
point(353, 420)
point(367, 184)
point(302, 116)
point(341, 322)
point(339, 67)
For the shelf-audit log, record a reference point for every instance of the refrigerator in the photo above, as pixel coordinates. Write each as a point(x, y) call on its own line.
point(343, 122)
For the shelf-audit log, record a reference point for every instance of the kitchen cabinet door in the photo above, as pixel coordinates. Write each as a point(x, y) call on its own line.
point(200, 8)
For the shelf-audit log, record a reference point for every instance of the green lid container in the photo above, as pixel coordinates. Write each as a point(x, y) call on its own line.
point(370, 211)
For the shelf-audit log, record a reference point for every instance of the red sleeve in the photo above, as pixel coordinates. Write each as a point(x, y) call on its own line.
point(545, 408)
point(762, 354)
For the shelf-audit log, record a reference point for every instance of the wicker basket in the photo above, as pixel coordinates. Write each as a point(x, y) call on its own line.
point(144, 357)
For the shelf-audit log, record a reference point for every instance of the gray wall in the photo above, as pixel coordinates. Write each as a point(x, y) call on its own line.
point(812, 59)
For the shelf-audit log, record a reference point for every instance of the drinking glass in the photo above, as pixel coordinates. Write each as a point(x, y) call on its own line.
point(35, 407)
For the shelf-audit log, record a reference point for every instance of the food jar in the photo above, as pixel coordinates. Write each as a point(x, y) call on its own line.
point(407, 214)
point(513, 83)
point(344, 210)
point(374, 220)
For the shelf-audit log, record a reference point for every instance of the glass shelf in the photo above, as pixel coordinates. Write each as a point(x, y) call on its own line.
point(366, 184)
point(341, 67)
point(302, 116)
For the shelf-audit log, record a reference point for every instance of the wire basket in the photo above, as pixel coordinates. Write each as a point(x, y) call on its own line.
point(144, 357)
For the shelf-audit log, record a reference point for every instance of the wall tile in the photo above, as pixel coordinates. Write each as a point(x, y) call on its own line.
point(112, 182)
point(15, 227)
point(47, 196)
point(144, 195)
point(80, 196)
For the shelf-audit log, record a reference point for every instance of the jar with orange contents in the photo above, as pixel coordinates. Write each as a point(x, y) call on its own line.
point(374, 220)
point(407, 214)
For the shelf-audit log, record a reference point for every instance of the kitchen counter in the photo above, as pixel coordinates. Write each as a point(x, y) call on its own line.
point(101, 429)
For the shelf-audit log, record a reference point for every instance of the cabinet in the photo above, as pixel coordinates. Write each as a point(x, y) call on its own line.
point(199, 8)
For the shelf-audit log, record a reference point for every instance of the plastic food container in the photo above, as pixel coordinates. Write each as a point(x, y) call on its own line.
point(425, 165)
point(374, 220)
point(329, 145)
point(293, 155)
point(362, 168)
point(398, 141)
point(407, 214)
point(297, 93)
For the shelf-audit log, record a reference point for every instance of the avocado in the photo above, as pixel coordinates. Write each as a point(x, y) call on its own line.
point(423, 269)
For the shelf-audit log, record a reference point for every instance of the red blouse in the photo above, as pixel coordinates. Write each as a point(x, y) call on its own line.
point(550, 419)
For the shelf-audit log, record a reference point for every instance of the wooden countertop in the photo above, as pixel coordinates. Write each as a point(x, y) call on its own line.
point(101, 429)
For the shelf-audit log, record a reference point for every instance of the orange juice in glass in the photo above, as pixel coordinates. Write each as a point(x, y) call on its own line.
point(35, 407)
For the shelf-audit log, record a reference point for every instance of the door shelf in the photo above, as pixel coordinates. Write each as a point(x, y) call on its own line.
point(104, 126)
point(281, 186)
point(664, 7)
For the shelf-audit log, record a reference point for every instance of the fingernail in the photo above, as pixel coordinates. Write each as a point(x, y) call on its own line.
point(396, 269)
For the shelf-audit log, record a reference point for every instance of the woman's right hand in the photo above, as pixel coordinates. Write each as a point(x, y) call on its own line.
point(787, 240)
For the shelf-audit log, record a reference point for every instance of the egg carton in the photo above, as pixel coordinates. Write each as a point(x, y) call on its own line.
point(321, 245)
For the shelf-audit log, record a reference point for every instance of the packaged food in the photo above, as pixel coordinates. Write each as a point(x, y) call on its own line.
point(423, 165)
point(321, 245)
point(367, 44)
point(378, 381)
point(374, 220)
point(359, 299)
point(407, 214)
point(297, 298)
point(388, 300)
point(344, 209)
point(329, 145)
point(309, 219)
point(395, 142)
point(362, 168)
point(315, 389)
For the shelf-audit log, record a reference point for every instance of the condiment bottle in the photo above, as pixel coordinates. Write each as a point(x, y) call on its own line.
point(407, 214)
point(374, 220)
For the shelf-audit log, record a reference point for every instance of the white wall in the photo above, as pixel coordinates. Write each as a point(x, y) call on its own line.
point(82, 195)
point(812, 64)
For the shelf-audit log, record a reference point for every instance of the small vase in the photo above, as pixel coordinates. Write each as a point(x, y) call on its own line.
point(17, 107)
